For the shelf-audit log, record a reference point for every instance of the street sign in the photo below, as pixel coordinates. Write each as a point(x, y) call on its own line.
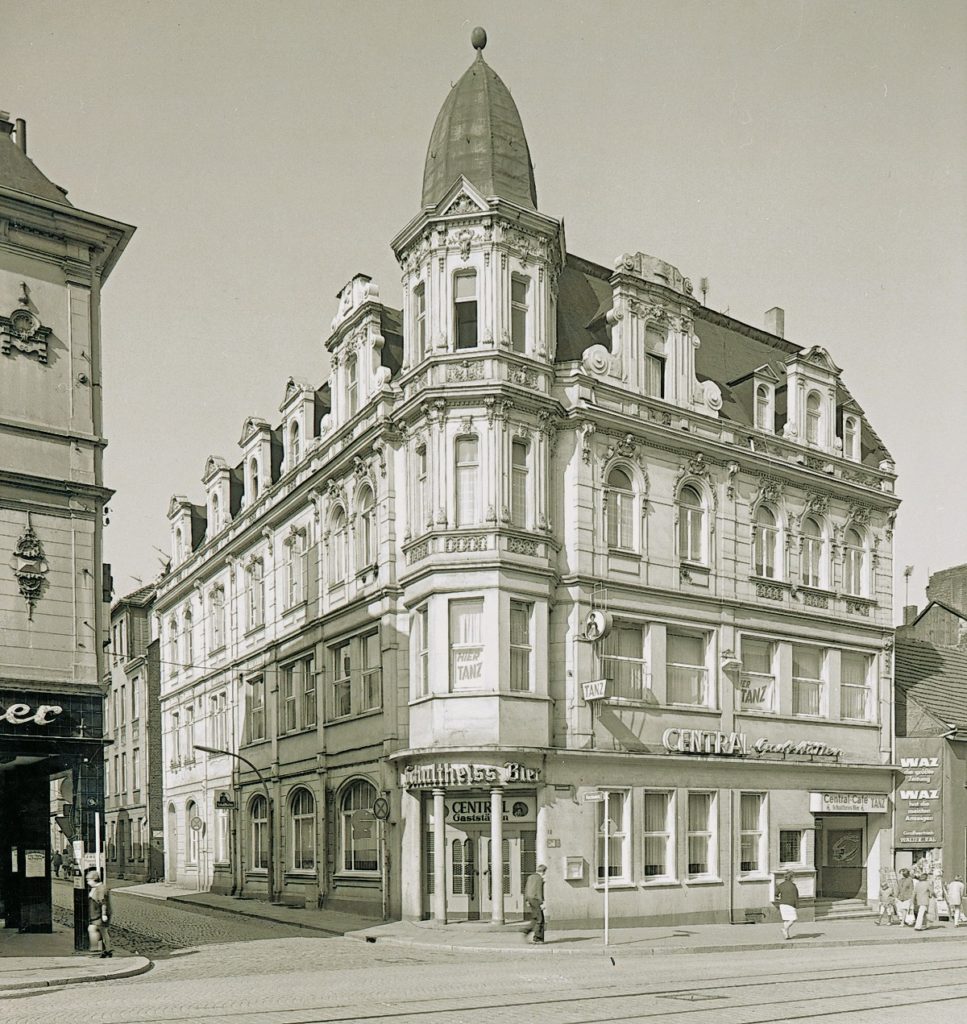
point(594, 798)
point(196, 823)
point(597, 689)
point(381, 808)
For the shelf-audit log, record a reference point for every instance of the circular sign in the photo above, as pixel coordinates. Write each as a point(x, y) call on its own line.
point(381, 808)
point(196, 823)
point(597, 624)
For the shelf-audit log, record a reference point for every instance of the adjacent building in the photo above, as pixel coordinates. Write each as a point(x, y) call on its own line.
point(557, 565)
point(54, 598)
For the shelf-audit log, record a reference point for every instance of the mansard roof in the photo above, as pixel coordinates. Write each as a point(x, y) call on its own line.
point(19, 172)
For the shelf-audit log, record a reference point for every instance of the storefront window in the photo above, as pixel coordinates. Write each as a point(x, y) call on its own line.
point(302, 809)
point(791, 846)
point(752, 833)
point(260, 833)
point(358, 839)
point(701, 834)
point(658, 846)
point(618, 855)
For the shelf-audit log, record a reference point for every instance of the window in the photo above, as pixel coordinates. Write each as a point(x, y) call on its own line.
point(175, 738)
point(687, 673)
point(295, 568)
point(811, 558)
point(124, 773)
point(618, 855)
point(419, 320)
point(295, 444)
point(623, 660)
point(518, 484)
point(851, 437)
point(255, 594)
point(352, 386)
point(422, 491)
point(302, 816)
point(194, 834)
point(216, 523)
point(341, 681)
point(752, 833)
point(691, 525)
point(791, 846)
point(465, 310)
point(256, 709)
point(461, 854)
point(189, 746)
point(372, 696)
point(338, 532)
point(136, 769)
point(519, 288)
point(217, 604)
point(117, 775)
point(763, 407)
point(420, 641)
point(854, 563)
point(172, 645)
point(765, 544)
point(309, 713)
point(701, 834)
point(253, 470)
point(367, 529)
point(259, 813)
point(466, 644)
point(520, 646)
point(359, 843)
point(221, 836)
point(814, 417)
point(135, 698)
point(620, 498)
point(288, 700)
point(189, 639)
point(654, 376)
point(659, 851)
point(807, 680)
point(467, 468)
point(179, 546)
point(854, 699)
point(757, 681)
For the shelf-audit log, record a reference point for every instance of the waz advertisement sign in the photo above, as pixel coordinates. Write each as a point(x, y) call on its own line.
point(919, 794)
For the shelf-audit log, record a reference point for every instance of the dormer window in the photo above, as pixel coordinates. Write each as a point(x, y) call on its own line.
point(519, 305)
point(179, 546)
point(814, 417)
point(465, 310)
point(295, 444)
point(216, 518)
point(419, 321)
point(253, 476)
point(851, 438)
point(654, 375)
point(352, 386)
point(763, 407)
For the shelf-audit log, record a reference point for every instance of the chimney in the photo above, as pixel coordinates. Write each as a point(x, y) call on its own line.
point(776, 321)
point(909, 614)
point(21, 133)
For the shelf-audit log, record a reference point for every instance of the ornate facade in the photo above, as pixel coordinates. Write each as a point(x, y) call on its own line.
point(550, 531)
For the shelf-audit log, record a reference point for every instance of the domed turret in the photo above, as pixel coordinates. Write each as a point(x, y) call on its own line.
point(478, 133)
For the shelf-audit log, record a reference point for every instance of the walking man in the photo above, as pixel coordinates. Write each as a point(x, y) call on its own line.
point(955, 899)
point(787, 896)
point(98, 912)
point(534, 898)
point(904, 897)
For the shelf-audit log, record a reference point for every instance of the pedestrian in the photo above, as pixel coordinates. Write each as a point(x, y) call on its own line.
point(534, 898)
point(904, 897)
point(887, 900)
point(98, 912)
point(921, 902)
point(955, 899)
point(55, 863)
point(787, 898)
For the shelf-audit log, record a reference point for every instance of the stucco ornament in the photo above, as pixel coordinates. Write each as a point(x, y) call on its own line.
point(22, 330)
point(596, 360)
point(29, 567)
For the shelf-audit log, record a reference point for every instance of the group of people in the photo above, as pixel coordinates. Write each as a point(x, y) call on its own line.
point(913, 901)
point(62, 861)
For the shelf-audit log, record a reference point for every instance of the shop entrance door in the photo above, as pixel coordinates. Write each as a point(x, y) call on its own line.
point(843, 865)
point(469, 864)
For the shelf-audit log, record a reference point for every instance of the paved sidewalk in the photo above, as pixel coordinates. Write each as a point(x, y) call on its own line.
point(708, 938)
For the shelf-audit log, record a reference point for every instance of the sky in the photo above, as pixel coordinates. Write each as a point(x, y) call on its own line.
point(811, 156)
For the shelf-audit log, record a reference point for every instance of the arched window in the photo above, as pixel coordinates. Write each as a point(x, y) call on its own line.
point(814, 417)
point(691, 525)
point(359, 846)
point(189, 627)
point(366, 538)
point(518, 484)
point(766, 545)
point(253, 472)
point(465, 327)
point(467, 459)
point(851, 438)
point(620, 496)
point(255, 594)
point(217, 602)
point(352, 385)
point(259, 814)
point(519, 305)
point(179, 546)
point(295, 568)
point(216, 516)
point(172, 645)
point(811, 563)
point(762, 408)
point(302, 834)
point(419, 321)
point(854, 563)
point(338, 528)
point(194, 834)
point(295, 444)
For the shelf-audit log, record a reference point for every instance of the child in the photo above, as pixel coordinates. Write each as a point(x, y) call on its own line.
point(887, 902)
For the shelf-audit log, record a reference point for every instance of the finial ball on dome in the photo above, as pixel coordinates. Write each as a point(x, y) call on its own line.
point(478, 38)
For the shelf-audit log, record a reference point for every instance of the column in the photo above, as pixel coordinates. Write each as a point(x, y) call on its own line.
point(497, 855)
point(412, 869)
point(439, 859)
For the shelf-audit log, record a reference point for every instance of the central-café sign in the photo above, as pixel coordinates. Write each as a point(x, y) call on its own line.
point(736, 744)
point(439, 776)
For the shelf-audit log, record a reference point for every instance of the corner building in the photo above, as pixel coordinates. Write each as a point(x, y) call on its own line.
point(561, 531)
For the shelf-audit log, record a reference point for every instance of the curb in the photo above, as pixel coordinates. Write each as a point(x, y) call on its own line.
point(555, 948)
point(133, 972)
point(260, 917)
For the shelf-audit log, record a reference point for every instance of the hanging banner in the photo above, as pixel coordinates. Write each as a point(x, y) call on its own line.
point(919, 793)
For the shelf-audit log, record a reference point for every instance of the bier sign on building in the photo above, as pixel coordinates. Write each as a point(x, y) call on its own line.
point(442, 776)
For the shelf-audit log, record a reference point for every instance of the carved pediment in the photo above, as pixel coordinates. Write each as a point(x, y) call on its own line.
point(213, 464)
point(818, 356)
point(177, 503)
point(253, 425)
point(294, 387)
point(766, 373)
point(462, 199)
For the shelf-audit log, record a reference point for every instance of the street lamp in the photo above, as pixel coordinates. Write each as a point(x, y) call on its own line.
point(268, 811)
